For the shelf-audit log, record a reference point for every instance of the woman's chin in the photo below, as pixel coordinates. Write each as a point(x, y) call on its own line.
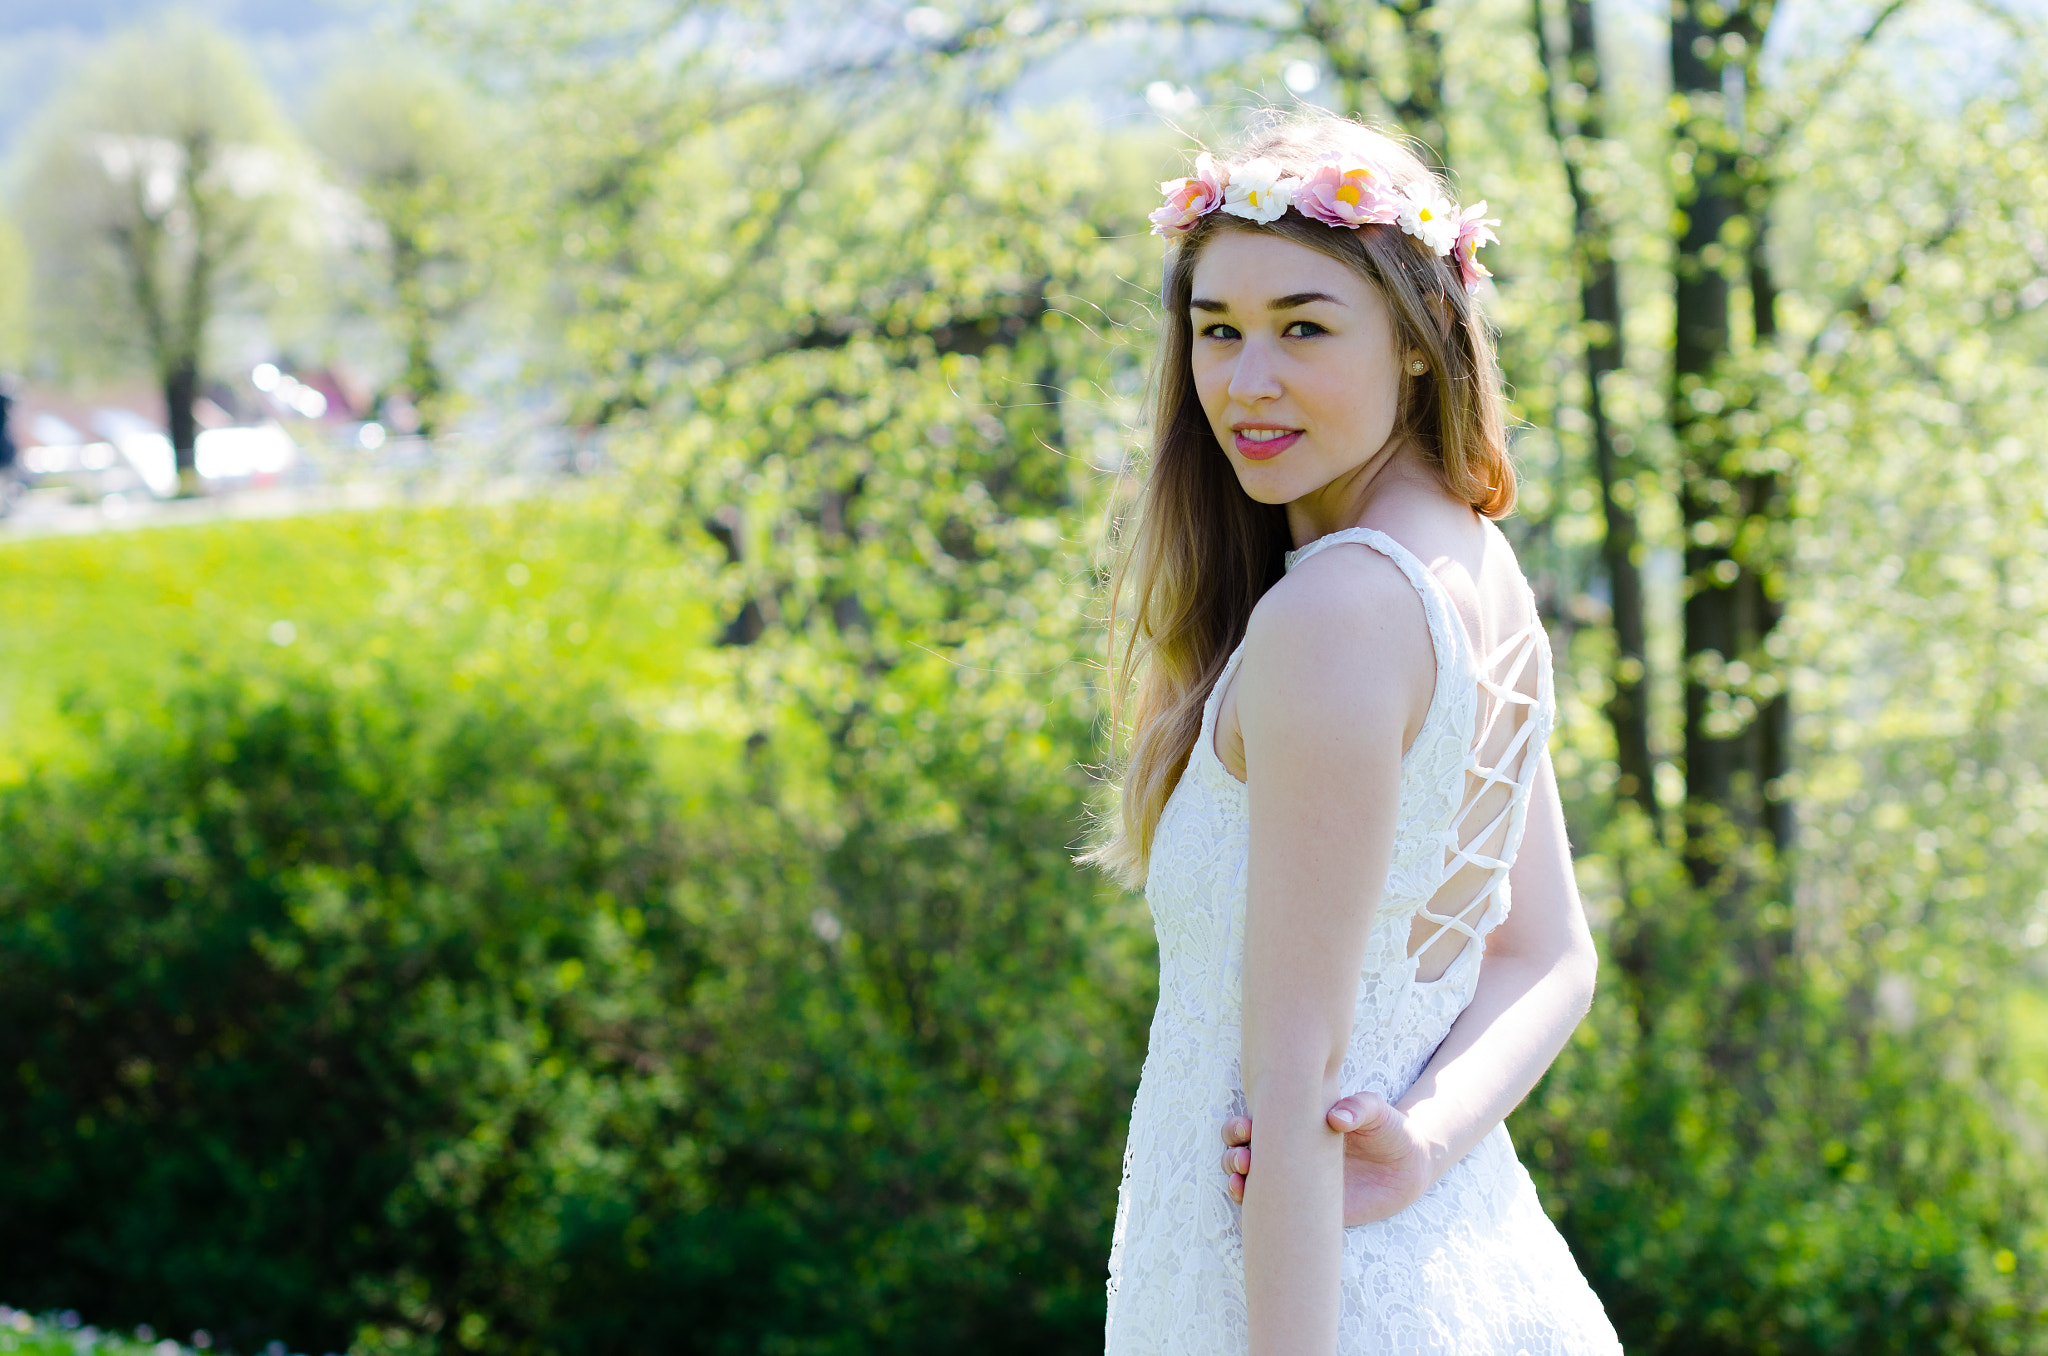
point(1269, 484)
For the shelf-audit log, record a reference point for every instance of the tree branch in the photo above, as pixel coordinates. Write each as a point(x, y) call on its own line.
point(2005, 18)
point(1828, 83)
point(1859, 306)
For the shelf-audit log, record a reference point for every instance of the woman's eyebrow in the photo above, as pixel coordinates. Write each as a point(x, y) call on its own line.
point(1286, 303)
point(1294, 299)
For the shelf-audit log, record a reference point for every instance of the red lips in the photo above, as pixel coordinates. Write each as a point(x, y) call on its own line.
point(1264, 449)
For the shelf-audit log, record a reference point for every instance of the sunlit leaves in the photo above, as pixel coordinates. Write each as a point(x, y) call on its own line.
point(160, 186)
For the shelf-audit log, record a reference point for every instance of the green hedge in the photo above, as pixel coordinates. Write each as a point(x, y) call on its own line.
point(317, 996)
point(1744, 1161)
point(368, 1009)
point(65, 1334)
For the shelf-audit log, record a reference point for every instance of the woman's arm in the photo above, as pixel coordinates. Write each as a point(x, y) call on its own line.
point(1535, 984)
point(1334, 664)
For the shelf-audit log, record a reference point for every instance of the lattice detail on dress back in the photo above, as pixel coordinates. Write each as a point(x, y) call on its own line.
point(1500, 770)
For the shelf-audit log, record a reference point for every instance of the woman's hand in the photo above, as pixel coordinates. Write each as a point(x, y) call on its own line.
point(1387, 1164)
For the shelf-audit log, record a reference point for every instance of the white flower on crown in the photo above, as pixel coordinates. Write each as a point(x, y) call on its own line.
point(1429, 217)
point(1258, 192)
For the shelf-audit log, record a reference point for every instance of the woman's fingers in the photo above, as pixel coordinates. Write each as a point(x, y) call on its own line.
point(1237, 1159)
point(1359, 1111)
point(1365, 1117)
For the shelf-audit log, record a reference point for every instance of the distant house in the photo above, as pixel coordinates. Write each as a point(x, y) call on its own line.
point(95, 443)
point(100, 443)
point(319, 394)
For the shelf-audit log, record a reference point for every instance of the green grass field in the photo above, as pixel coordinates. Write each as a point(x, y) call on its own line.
point(577, 588)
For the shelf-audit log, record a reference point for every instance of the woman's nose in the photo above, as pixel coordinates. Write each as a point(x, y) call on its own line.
point(1255, 377)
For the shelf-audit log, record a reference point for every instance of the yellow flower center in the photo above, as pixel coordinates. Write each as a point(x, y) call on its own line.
point(1349, 193)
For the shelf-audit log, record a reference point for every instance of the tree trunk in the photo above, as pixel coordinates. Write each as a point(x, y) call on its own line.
point(1727, 611)
point(187, 333)
point(1421, 111)
point(422, 373)
point(1600, 310)
point(1774, 721)
point(181, 389)
point(747, 625)
point(422, 379)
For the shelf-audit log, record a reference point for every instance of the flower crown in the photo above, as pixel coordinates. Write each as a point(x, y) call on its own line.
point(1342, 190)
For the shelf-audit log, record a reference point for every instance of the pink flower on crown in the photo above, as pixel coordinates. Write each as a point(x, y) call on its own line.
point(1428, 216)
point(1345, 191)
point(1475, 228)
point(1189, 200)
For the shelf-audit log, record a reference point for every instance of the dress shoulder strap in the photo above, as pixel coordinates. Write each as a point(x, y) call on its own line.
point(1206, 741)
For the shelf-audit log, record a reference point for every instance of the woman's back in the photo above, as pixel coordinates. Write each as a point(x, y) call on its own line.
point(1476, 574)
point(1472, 562)
point(1474, 1266)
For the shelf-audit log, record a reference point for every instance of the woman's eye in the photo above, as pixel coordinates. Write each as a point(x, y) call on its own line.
point(1220, 331)
point(1302, 329)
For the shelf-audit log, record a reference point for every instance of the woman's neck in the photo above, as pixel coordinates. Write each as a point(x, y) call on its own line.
point(1346, 501)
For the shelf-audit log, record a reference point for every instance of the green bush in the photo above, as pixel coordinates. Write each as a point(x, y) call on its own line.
point(370, 1010)
point(317, 998)
point(66, 1334)
point(922, 1077)
point(1747, 1160)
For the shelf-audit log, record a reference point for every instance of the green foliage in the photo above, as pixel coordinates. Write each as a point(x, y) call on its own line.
point(1745, 1162)
point(157, 189)
point(922, 1068)
point(432, 1022)
point(64, 1335)
point(430, 169)
point(320, 994)
point(923, 460)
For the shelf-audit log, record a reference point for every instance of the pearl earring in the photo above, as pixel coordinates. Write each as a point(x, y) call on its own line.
point(1416, 367)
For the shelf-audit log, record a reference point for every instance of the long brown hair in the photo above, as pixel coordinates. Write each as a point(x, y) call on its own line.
point(1203, 552)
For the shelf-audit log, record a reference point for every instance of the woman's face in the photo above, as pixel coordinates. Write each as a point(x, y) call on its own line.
point(1295, 363)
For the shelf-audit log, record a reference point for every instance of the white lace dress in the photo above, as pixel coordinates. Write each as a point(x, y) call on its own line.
point(1474, 1267)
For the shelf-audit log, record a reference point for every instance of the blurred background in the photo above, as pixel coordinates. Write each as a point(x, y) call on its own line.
point(551, 653)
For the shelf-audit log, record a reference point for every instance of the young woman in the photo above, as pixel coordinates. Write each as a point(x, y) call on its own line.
point(1336, 774)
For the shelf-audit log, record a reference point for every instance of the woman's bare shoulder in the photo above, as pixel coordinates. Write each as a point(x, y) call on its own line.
point(1339, 629)
point(1338, 591)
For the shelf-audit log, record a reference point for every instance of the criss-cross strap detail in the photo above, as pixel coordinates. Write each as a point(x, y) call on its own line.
point(1506, 709)
point(1513, 769)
